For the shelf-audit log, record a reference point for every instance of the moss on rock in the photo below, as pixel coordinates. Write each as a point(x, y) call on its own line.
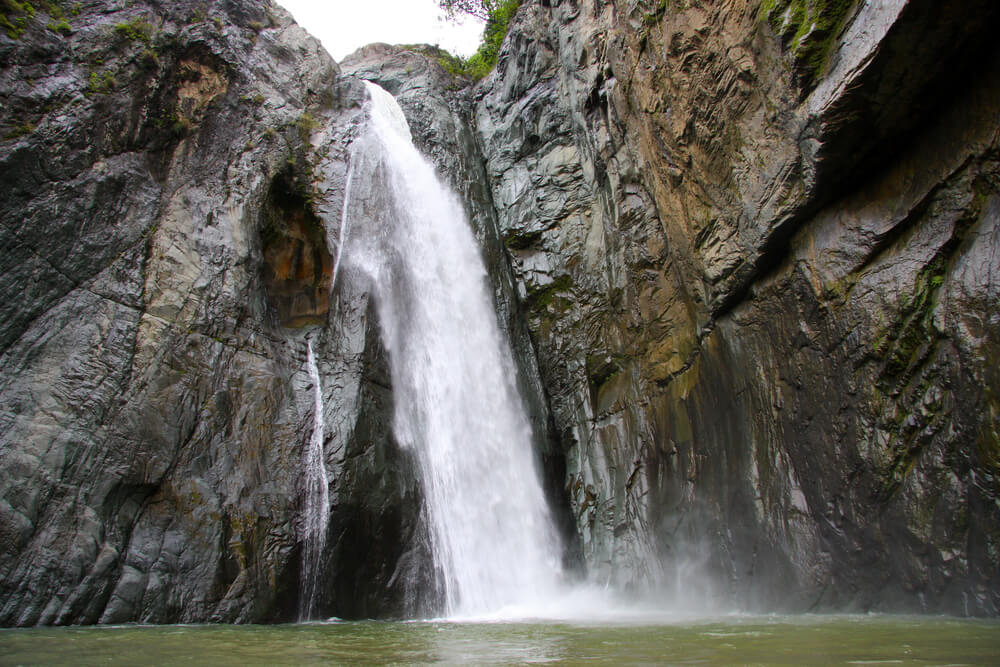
point(808, 30)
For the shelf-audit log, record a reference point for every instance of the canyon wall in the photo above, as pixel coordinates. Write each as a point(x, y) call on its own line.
point(757, 244)
point(168, 172)
point(745, 253)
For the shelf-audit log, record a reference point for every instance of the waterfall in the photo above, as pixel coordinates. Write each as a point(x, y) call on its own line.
point(316, 500)
point(456, 402)
point(343, 222)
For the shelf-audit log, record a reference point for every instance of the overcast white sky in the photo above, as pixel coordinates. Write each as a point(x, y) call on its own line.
point(345, 25)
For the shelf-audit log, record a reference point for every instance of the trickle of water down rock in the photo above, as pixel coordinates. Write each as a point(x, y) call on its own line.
point(316, 497)
point(456, 404)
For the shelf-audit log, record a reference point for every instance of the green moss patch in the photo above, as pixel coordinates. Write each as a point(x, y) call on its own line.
point(21, 130)
point(14, 17)
point(60, 26)
point(523, 241)
point(136, 29)
point(808, 30)
point(601, 369)
point(656, 15)
point(541, 297)
point(101, 83)
point(907, 340)
point(305, 125)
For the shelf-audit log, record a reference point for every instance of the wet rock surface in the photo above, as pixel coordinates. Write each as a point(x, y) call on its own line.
point(160, 163)
point(742, 265)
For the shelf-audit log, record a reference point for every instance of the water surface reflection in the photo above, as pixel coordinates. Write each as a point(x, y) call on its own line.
point(725, 640)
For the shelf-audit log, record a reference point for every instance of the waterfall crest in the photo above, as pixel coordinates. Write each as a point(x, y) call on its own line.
point(456, 402)
point(316, 498)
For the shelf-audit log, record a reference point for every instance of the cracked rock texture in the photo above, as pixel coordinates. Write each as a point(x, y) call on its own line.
point(758, 254)
point(747, 255)
point(167, 169)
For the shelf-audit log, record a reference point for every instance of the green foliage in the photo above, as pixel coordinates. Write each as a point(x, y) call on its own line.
point(14, 17)
point(306, 124)
point(478, 66)
point(454, 65)
point(21, 130)
point(540, 297)
point(480, 9)
point(53, 9)
point(136, 29)
point(498, 15)
point(177, 126)
point(101, 83)
point(256, 100)
point(522, 241)
point(149, 59)
point(657, 15)
point(60, 26)
point(199, 15)
point(484, 60)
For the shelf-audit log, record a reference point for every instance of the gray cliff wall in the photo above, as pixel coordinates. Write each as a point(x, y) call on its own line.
point(170, 172)
point(759, 264)
point(746, 259)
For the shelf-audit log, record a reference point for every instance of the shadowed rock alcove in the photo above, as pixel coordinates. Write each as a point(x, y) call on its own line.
point(297, 265)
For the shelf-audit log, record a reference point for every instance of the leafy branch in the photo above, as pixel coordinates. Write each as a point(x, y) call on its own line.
point(497, 14)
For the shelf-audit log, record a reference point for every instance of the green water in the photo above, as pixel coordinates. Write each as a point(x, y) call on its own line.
point(730, 640)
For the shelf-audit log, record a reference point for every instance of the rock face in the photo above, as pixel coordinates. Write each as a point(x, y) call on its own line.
point(163, 258)
point(745, 253)
point(757, 247)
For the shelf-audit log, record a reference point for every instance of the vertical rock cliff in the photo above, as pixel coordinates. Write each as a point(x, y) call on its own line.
point(746, 254)
point(757, 247)
point(164, 253)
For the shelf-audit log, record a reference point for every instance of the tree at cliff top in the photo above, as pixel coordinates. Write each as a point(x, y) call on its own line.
point(497, 14)
point(480, 9)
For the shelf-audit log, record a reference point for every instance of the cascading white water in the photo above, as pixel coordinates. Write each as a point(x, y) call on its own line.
point(316, 498)
point(457, 405)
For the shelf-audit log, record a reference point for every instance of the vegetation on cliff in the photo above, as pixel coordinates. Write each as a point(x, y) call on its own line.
point(15, 16)
point(497, 14)
point(809, 30)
